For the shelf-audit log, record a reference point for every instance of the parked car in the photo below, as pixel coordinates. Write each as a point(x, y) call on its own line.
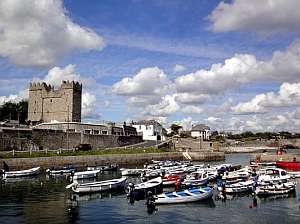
point(83, 147)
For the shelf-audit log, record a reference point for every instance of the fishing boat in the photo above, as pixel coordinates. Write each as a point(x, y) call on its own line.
point(140, 191)
point(184, 196)
point(131, 172)
point(97, 186)
point(110, 167)
point(238, 187)
point(288, 165)
point(274, 175)
point(21, 173)
point(275, 189)
point(66, 169)
point(196, 178)
point(6, 173)
point(84, 174)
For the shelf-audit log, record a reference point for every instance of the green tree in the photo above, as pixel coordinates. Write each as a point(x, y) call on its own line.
point(175, 128)
point(15, 111)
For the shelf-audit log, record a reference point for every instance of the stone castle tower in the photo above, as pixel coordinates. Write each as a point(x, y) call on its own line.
point(46, 104)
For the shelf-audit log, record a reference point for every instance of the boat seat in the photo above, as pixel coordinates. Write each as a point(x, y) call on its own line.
point(195, 191)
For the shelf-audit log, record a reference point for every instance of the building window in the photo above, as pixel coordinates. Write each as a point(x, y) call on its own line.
point(71, 130)
point(96, 132)
point(87, 131)
point(104, 132)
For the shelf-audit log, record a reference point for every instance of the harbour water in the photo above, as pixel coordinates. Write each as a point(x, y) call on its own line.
point(45, 199)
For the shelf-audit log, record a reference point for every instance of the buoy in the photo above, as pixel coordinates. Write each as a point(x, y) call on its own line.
point(250, 206)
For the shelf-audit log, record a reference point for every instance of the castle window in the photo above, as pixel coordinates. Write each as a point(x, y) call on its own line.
point(87, 131)
point(50, 100)
point(96, 132)
point(104, 132)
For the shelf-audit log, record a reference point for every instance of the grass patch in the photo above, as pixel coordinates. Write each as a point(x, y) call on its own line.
point(36, 154)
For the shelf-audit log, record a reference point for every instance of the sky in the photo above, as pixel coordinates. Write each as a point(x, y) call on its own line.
point(231, 65)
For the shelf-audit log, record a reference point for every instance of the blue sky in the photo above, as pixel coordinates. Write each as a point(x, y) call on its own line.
point(232, 65)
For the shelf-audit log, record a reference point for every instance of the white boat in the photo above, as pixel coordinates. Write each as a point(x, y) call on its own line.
point(196, 178)
point(84, 174)
point(274, 175)
point(184, 196)
point(66, 169)
point(131, 172)
point(21, 173)
point(97, 186)
point(139, 191)
point(238, 187)
point(275, 189)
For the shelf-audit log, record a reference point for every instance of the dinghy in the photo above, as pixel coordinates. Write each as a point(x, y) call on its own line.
point(184, 196)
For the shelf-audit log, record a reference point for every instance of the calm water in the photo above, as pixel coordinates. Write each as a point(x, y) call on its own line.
point(45, 200)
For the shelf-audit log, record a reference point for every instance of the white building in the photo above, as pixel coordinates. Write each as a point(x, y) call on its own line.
point(201, 130)
point(151, 130)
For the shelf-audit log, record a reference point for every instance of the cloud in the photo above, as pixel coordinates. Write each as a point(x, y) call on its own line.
point(288, 96)
point(256, 15)
point(191, 109)
point(178, 68)
point(38, 33)
point(89, 105)
point(204, 85)
point(56, 75)
point(147, 87)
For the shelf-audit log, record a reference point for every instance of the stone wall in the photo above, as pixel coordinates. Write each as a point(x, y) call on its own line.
point(126, 160)
point(55, 140)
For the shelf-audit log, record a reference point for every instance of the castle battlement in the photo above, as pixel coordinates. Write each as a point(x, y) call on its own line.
point(46, 104)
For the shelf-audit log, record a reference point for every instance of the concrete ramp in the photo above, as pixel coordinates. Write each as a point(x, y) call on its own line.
point(187, 156)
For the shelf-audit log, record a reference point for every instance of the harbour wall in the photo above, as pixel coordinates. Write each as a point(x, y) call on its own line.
point(121, 159)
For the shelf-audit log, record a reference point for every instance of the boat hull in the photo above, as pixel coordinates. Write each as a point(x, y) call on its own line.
point(99, 186)
point(22, 173)
point(185, 196)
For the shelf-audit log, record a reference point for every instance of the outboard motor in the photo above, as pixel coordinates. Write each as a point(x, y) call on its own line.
point(150, 202)
point(129, 189)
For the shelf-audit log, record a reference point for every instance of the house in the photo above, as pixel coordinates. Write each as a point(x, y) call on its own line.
point(201, 130)
point(151, 130)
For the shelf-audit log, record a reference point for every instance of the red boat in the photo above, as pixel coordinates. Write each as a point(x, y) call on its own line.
point(293, 165)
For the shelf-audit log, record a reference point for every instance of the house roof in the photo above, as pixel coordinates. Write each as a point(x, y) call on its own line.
point(146, 122)
point(200, 127)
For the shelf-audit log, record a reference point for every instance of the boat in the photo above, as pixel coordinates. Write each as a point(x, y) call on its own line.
point(184, 196)
point(140, 191)
point(170, 179)
point(19, 173)
point(131, 172)
point(196, 178)
point(97, 186)
point(66, 169)
point(292, 165)
point(84, 174)
point(273, 174)
point(110, 167)
point(275, 189)
point(238, 187)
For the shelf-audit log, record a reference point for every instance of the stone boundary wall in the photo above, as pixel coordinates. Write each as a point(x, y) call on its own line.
point(122, 159)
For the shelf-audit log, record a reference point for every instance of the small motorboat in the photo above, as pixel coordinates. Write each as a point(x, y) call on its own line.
point(238, 187)
point(84, 174)
point(273, 175)
point(184, 196)
point(131, 172)
point(140, 191)
point(66, 169)
point(288, 165)
point(110, 167)
point(275, 189)
point(97, 186)
point(6, 173)
point(170, 179)
point(196, 178)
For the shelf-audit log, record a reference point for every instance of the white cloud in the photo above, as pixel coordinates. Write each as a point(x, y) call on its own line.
point(191, 109)
point(288, 96)
point(56, 75)
point(89, 105)
point(147, 87)
point(38, 33)
point(204, 85)
point(14, 98)
point(256, 15)
point(178, 68)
